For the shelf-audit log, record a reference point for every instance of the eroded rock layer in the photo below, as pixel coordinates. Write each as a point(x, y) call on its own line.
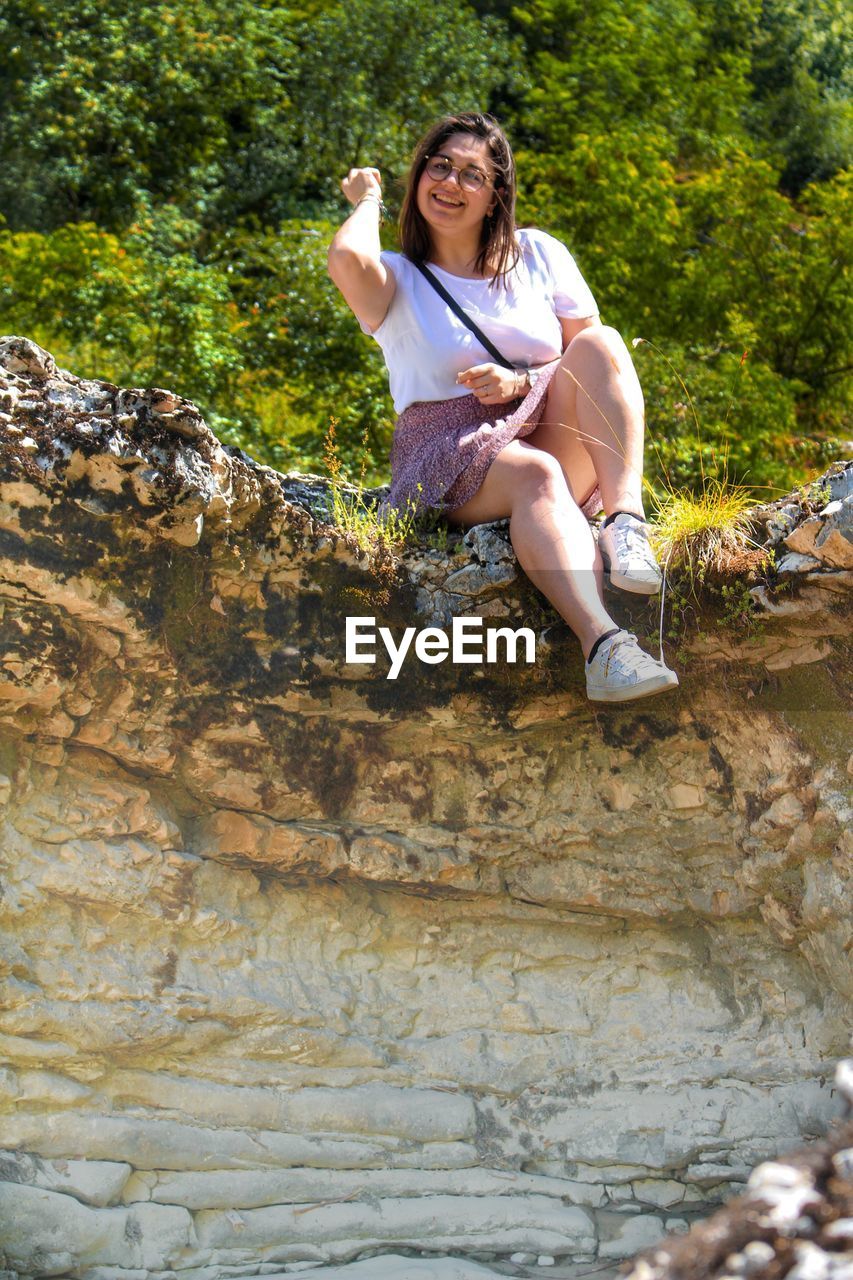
point(795, 1219)
point(306, 965)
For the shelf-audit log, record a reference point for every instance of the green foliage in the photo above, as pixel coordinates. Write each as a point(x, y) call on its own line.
point(143, 301)
point(619, 189)
point(394, 70)
point(596, 68)
point(225, 107)
point(298, 337)
point(258, 336)
point(801, 76)
point(103, 101)
point(738, 609)
point(776, 268)
point(747, 415)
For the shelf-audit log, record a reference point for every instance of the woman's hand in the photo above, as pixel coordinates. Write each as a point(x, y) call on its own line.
point(362, 182)
point(493, 384)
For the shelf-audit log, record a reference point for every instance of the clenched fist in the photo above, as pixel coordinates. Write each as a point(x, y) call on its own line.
point(361, 182)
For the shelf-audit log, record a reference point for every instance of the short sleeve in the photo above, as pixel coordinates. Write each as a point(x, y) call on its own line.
point(571, 294)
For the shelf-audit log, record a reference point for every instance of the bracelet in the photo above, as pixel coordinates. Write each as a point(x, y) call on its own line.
point(374, 198)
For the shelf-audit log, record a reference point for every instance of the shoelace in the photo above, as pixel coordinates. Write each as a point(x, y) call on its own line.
point(630, 538)
point(628, 642)
point(631, 531)
point(662, 599)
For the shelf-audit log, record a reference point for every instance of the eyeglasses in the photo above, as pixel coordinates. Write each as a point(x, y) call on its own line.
point(470, 177)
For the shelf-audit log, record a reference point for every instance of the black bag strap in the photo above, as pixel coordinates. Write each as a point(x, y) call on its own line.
point(466, 319)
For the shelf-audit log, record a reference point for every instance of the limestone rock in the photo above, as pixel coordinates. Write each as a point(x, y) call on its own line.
point(394, 1267)
point(93, 1182)
point(632, 1235)
point(37, 1224)
point(340, 1231)
point(248, 1189)
point(305, 968)
point(790, 1221)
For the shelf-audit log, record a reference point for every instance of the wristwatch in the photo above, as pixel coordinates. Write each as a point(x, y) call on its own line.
point(530, 374)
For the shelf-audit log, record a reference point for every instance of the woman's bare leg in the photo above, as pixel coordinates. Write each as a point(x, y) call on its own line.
point(549, 533)
point(593, 421)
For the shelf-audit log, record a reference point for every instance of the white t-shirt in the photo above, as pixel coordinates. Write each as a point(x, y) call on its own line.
point(425, 345)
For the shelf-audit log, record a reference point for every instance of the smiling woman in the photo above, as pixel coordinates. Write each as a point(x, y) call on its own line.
point(547, 431)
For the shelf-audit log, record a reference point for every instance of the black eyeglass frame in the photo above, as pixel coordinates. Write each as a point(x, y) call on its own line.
point(455, 168)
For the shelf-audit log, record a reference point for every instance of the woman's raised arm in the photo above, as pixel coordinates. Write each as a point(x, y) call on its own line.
point(354, 262)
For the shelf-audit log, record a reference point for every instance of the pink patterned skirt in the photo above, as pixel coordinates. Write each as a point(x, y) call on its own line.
point(442, 449)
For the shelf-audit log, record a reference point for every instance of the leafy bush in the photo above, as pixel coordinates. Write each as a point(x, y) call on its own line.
point(736, 416)
point(140, 309)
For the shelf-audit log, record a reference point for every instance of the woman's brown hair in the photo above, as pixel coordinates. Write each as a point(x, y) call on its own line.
point(498, 246)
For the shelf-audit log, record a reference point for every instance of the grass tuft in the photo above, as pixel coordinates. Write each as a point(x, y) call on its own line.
point(709, 530)
point(380, 537)
point(698, 532)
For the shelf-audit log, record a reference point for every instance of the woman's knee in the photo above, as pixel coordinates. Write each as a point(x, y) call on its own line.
point(601, 338)
point(601, 352)
point(540, 475)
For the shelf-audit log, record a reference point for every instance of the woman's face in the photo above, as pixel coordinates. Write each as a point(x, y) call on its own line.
point(445, 204)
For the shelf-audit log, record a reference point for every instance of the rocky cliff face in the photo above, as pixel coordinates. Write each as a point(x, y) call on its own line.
point(794, 1220)
point(304, 965)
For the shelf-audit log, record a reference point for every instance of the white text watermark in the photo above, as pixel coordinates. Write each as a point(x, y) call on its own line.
point(464, 643)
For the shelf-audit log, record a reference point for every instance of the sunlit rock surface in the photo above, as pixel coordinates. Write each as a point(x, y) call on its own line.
point(795, 1219)
point(303, 965)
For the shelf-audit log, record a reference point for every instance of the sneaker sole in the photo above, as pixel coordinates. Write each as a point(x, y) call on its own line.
point(630, 693)
point(639, 586)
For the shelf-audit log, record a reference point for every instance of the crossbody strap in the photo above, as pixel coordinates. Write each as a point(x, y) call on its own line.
point(466, 319)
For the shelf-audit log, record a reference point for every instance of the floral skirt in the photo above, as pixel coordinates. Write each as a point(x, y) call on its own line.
point(442, 449)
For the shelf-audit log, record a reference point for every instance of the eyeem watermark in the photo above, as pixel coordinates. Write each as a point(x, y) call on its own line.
point(432, 645)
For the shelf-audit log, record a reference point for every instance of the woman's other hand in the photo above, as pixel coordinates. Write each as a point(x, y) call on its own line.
point(362, 182)
point(492, 383)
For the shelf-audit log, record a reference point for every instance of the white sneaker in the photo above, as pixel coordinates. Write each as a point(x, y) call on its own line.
point(621, 671)
point(626, 552)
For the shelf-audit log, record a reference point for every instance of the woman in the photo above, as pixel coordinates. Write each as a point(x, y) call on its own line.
point(546, 442)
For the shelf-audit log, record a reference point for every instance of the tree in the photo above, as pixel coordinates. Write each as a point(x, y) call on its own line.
point(395, 74)
point(225, 107)
point(101, 101)
point(140, 308)
point(801, 78)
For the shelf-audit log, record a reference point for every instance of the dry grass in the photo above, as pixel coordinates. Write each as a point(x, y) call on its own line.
point(704, 532)
point(381, 537)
